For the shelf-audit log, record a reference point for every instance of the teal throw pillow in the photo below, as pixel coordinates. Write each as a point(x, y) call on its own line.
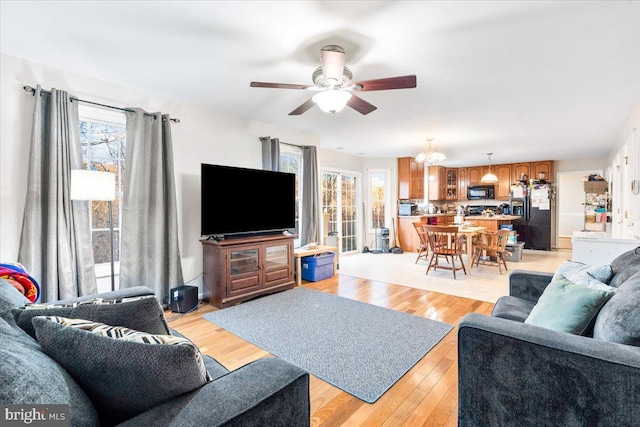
point(566, 306)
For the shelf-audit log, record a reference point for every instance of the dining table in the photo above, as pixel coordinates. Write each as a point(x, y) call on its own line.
point(469, 232)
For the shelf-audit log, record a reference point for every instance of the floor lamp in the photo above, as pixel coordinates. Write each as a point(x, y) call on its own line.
point(98, 186)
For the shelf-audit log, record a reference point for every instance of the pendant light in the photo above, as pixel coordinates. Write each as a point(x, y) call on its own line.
point(489, 177)
point(430, 156)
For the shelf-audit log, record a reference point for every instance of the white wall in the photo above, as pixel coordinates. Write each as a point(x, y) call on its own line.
point(202, 136)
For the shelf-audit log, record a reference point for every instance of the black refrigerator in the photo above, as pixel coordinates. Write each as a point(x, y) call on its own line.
point(535, 203)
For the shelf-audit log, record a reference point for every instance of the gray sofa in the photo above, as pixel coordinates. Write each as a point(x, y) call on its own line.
point(513, 373)
point(269, 391)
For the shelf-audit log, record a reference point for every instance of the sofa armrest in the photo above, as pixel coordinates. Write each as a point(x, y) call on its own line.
point(136, 291)
point(527, 284)
point(268, 391)
point(514, 374)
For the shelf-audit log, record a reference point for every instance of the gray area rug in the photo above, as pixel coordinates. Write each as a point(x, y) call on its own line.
point(360, 348)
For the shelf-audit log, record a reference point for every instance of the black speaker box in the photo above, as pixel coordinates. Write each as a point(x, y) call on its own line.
point(183, 298)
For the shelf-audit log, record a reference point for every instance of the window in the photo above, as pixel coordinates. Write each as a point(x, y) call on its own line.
point(291, 161)
point(379, 194)
point(103, 141)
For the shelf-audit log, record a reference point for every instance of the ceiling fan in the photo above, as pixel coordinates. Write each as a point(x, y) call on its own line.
point(332, 81)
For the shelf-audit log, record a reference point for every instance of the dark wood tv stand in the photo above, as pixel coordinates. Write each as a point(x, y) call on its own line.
point(239, 269)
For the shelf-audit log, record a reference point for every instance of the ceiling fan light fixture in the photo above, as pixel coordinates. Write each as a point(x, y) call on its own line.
point(489, 177)
point(332, 101)
point(430, 155)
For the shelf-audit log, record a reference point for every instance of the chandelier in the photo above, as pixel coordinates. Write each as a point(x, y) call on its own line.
point(489, 177)
point(430, 156)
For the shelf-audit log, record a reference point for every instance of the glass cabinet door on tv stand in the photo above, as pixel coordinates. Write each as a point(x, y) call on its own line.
point(243, 261)
point(277, 256)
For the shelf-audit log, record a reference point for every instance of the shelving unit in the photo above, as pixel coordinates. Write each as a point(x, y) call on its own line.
point(597, 205)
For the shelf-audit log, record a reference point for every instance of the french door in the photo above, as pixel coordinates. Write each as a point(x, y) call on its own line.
point(340, 195)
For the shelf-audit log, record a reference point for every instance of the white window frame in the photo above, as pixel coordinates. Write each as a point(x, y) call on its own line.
point(359, 210)
point(387, 199)
point(109, 117)
point(295, 151)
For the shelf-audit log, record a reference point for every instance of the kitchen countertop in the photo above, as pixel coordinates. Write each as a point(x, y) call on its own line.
point(423, 215)
point(495, 217)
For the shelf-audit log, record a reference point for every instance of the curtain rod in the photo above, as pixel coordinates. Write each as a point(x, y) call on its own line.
point(285, 143)
point(32, 91)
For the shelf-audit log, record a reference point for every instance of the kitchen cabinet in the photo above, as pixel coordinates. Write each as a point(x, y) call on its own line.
point(437, 183)
point(410, 178)
point(236, 270)
point(520, 169)
point(542, 167)
point(475, 174)
point(449, 184)
point(463, 182)
point(452, 184)
point(503, 186)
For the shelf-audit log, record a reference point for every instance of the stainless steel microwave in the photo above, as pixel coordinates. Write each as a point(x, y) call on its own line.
point(480, 192)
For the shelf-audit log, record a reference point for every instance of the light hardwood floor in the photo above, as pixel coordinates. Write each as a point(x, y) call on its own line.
point(427, 395)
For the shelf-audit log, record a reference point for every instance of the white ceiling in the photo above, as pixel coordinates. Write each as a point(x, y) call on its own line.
point(524, 80)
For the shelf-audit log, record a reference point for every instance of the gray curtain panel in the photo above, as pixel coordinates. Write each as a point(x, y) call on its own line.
point(55, 242)
point(310, 215)
point(149, 237)
point(270, 153)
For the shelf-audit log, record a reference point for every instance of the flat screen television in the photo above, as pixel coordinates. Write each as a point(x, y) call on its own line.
point(237, 201)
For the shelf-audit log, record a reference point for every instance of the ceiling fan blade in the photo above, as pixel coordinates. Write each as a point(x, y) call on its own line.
point(360, 105)
point(279, 85)
point(304, 107)
point(402, 82)
point(332, 58)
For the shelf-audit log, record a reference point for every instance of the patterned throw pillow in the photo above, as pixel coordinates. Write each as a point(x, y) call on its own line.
point(142, 313)
point(123, 371)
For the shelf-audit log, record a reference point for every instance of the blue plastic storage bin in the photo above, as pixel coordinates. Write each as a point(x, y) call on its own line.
point(319, 267)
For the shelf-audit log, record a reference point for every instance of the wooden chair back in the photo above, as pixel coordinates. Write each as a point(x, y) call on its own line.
point(423, 248)
point(494, 244)
point(444, 241)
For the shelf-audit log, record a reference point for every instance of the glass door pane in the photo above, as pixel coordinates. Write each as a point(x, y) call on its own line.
point(349, 238)
point(277, 256)
point(243, 261)
point(340, 201)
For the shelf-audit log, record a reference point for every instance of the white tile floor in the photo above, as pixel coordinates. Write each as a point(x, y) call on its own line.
point(482, 283)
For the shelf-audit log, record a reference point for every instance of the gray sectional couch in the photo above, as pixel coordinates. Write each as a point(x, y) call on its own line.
point(512, 373)
point(269, 391)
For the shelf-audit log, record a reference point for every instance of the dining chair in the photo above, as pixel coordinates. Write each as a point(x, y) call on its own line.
point(494, 245)
point(423, 248)
point(444, 241)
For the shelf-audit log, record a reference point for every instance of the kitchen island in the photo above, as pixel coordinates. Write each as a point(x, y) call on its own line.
point(408, 238)
point(491, 223)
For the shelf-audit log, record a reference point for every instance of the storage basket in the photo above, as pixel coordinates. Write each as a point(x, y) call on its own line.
point(597, 187)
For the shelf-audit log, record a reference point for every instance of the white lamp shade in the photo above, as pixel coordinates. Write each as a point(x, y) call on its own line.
point(332, 101)
point(92, 185)
point(489, 178)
